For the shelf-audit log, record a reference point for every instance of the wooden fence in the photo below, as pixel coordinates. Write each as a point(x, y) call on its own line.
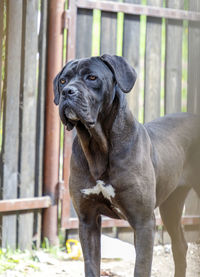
point(22, 80)
point(160, 39)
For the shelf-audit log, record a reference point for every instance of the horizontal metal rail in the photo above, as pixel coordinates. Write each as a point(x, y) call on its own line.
point(135, 9)
point(72, 223)
point(13, 205)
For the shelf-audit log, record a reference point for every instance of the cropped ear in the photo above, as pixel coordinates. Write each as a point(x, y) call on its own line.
point(56, 89)
point(124, 74)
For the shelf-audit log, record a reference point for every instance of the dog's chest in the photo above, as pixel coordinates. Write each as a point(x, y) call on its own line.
point(106, 190)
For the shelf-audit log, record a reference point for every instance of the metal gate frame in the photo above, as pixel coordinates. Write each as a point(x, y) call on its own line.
point(69, 22)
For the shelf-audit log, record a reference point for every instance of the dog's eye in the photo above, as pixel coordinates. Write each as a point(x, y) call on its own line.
point(62, 81)
point(92, 77)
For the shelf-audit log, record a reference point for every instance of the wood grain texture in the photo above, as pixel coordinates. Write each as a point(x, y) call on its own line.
point(131, 51)
point(192, 205)
point(40, 120)
point(152, 66)
point(1, 45)
point(108, 33)
point(173, 60)
point(11, 118)
point(28, 119)
point(84, 33)
point(193, 61)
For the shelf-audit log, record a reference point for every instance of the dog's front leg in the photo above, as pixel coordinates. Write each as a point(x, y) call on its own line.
point(90, 236)
point(144, 241)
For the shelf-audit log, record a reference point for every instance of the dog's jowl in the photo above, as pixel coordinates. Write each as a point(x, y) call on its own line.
point(121, 168)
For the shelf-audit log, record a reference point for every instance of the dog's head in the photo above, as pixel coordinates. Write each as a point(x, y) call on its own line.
point(86, 87)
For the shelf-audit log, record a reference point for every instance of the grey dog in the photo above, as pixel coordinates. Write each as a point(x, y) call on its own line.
point(121, 168)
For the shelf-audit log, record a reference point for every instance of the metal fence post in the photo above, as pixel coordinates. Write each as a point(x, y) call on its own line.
point(52, 131)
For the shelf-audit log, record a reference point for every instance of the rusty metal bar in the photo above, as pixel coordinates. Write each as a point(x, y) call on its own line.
point(72, 223)
point(135, 9)
point(70, 19)
point(52, 131)
point(32, 203)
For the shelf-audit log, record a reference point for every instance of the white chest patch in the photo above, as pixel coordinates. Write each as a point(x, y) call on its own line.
point(107, 190)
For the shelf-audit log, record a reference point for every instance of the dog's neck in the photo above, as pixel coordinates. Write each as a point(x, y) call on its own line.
point(95, 142)
point(95, 148)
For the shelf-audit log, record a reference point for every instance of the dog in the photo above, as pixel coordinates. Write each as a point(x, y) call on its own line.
point(121, 168)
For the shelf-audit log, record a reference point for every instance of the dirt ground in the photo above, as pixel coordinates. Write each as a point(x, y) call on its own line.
point(46, 264)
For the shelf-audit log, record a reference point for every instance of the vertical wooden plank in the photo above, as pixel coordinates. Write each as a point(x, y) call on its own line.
point(42, 44)
point(84, 33)
point(1, 94)
point(28, 114)
point(152, 65)
point(131, 51)
point(108, 33)
point(83, 50)
point(193, 61)
point(173, 60)
point(152, 77)
point(1, 45)
point(192, 205)
point(72, 29)
point(11, 119)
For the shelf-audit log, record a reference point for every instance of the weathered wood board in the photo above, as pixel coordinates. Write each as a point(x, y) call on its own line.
point(28, 119)
point(152, 73)
point(108, 33)
point(173, 60)
point(10, 151)
point(131, 52)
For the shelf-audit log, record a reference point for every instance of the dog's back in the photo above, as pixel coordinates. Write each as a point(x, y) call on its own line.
point(176, 142)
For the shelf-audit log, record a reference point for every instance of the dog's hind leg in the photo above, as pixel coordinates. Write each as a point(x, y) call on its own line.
point(171, 212)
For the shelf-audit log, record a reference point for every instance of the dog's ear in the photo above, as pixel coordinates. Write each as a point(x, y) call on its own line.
point(56, 89)
point(124, 74)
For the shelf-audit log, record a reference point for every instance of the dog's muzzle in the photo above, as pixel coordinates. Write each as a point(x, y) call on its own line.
point(70, 118)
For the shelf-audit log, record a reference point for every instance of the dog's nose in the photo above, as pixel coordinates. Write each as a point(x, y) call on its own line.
point(67, 91)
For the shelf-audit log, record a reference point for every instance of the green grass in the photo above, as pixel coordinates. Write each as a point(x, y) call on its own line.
point(10, 259)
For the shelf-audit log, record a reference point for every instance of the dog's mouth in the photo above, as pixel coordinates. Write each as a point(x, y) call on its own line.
point(70, 115)
point(70, 119)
